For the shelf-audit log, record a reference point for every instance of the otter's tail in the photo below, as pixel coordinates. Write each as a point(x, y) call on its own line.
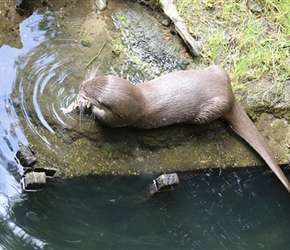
point(244, 127)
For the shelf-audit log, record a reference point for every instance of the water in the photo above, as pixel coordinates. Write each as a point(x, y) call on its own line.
point(213, 209)
point(210, 209)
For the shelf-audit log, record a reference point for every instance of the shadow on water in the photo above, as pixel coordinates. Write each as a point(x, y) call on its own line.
point(210, 209)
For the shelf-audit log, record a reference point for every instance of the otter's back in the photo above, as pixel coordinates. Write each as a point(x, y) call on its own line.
point(181, 96)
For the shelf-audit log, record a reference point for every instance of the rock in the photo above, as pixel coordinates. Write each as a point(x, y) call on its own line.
point(49, 171)
point(254, 6)
point(86, 43)
point(26, 156)
point(163, 183)
point(34, 178)
point(18, 2)
point(101, 4)
point(154, 51)
point(34, 181)
point(166, 22)
point(269, 125)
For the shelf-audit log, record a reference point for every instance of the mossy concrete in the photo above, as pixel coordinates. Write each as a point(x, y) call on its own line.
point(90, 148)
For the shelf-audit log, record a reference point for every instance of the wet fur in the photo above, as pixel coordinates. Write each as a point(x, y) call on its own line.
point(192, 96)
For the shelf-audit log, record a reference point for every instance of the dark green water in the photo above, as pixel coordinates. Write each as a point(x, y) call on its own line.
point(210, 209)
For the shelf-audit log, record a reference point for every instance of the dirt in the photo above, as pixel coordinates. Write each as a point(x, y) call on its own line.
point(12, 15)
point(9, 24)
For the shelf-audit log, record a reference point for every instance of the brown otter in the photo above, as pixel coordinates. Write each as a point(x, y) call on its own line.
point(192, 96)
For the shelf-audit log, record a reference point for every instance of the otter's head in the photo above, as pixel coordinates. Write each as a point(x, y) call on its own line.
point(112, 100)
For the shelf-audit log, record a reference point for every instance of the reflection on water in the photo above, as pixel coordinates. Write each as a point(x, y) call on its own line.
point(220, 209)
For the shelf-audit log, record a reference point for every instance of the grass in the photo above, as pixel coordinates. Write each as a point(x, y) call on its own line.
point(251, 43)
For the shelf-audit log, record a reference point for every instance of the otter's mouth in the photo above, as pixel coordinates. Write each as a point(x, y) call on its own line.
point(81, 105)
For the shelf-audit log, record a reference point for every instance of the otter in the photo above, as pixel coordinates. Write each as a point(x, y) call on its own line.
point(195, 96)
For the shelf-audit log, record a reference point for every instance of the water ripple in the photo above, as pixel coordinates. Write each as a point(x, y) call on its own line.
point(27, 75)
point(43, 85)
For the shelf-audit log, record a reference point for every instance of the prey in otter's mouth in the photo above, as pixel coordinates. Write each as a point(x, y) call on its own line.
point(81, 105)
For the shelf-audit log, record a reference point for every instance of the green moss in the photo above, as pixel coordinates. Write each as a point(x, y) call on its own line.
point(252, 42)
point(86, 43)
point(123, 18)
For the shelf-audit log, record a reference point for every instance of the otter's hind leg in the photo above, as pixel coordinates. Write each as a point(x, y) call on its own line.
point(211, 110)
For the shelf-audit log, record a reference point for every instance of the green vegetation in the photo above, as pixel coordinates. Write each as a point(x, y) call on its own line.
point(118, 46)
point(250, 38)
point(96, 56)
point(123, 18)
point(86, 43)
